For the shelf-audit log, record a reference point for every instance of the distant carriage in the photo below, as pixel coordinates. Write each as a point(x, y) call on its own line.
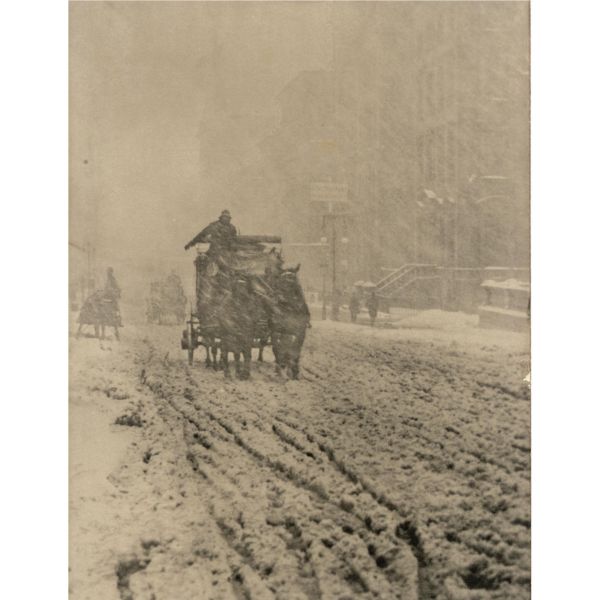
point(167, 302)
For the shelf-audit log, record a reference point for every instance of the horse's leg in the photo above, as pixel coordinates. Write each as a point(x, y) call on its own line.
point(295, 358)
point(225, 362)
point(275, 346)
point(247, 361)
point(207, 362)
point(215, 349)
point(117, 333)
point(238, 371)
point(295, 367)
point(260, 350)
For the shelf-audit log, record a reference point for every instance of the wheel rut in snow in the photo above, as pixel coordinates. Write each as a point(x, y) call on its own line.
point(324, 515)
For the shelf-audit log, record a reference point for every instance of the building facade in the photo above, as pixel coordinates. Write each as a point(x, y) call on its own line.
point(423, 119)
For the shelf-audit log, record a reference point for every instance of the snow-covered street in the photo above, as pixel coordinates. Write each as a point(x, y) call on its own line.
point(396, 467)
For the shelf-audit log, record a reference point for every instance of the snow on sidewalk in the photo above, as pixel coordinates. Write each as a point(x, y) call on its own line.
point(436, 326)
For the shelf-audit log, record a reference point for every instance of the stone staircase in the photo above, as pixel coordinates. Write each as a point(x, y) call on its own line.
point(399, 279)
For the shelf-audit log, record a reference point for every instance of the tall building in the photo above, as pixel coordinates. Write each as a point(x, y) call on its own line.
point(472, 130)
point(423, 119)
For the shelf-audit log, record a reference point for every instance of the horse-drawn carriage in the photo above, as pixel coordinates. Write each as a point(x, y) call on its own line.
point(100, 310)
point(245, 299)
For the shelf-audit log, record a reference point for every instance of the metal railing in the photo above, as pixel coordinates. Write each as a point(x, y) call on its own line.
point(406, 275)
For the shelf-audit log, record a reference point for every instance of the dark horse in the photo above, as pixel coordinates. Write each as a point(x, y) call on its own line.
point(237, 317)
point(290, 318)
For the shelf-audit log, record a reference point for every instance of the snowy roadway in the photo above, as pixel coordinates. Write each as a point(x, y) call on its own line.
point(397, 467)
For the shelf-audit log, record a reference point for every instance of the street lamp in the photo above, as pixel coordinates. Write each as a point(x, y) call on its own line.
point(334, 295)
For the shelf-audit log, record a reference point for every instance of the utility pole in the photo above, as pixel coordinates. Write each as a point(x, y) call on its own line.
point(330, 219)
point(331, 195)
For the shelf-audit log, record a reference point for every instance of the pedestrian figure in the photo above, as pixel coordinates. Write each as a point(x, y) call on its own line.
point(372, 307)
point(354, 306)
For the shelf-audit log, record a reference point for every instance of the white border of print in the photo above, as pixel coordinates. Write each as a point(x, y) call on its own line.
point(34, 431)
point(565, 311)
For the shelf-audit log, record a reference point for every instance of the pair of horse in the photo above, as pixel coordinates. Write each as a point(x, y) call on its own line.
point(251, 311)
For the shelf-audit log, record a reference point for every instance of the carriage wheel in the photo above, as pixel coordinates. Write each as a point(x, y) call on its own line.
point(191, 343)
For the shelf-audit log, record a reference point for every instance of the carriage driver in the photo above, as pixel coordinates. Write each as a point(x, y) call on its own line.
point(220, 234)
point(112, 292)
point(111, 288)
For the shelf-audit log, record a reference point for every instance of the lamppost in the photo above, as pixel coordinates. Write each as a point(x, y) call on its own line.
point(334, 291)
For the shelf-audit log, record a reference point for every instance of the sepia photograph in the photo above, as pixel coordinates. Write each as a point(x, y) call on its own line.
point(299, 300)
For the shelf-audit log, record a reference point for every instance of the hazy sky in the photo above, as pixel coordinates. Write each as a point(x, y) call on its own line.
point(167, 102)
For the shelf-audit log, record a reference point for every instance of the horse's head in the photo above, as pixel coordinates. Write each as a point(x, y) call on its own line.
point(288, 279)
